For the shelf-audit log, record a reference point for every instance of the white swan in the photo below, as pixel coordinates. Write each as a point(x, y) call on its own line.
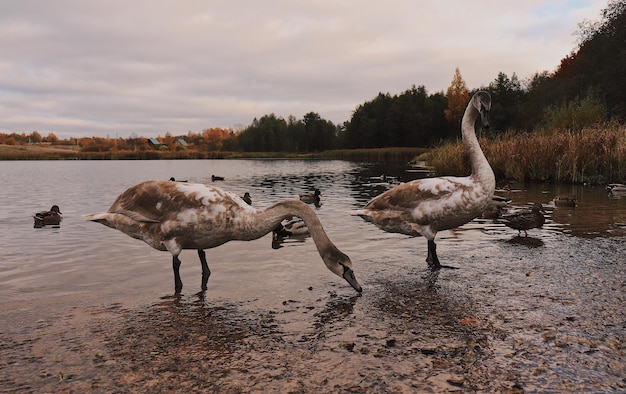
point(174, 216)
point(426, 206)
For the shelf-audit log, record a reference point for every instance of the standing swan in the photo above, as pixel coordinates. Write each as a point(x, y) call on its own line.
point(174, 216)
point(426, 206)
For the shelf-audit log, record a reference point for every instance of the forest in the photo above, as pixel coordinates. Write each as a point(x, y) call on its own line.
point(587, 89)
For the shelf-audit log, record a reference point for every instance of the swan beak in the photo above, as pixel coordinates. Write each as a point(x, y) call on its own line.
point(348, 275)
point(484, 117)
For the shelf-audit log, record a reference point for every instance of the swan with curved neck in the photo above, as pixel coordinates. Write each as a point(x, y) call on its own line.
point(427, 206)
point(172, 216)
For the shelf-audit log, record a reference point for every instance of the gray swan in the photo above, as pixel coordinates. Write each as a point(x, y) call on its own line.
point(172, 216)
point(427, 206)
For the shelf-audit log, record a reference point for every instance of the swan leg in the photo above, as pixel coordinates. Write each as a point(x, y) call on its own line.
point(206, 272)
point(431, 258)
point(178, 284)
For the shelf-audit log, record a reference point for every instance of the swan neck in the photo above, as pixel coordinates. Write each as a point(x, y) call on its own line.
point(479, 163)
point(276, 213)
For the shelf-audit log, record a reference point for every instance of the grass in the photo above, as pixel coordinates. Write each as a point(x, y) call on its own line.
point(62, 152)
point(595, 155)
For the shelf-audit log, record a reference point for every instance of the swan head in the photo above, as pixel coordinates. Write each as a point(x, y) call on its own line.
point(340, 264)
point(482, 103)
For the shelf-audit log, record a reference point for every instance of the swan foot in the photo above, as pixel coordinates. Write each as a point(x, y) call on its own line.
point(206, 272)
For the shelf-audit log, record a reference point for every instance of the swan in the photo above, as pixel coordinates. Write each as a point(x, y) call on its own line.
point(427, 206)
point(48, 218)
point(311, 198)
point(172, 216)
point(525, 219)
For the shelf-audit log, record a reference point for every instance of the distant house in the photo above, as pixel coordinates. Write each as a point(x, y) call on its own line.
point(154, 142)
point(181, 142)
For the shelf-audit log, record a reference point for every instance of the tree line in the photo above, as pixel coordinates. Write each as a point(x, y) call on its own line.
point(587, 88)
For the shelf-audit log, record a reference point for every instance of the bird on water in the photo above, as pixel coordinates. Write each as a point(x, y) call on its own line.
point(53, 217)
point(427, 206)
point(172, 216)
point(311, 198)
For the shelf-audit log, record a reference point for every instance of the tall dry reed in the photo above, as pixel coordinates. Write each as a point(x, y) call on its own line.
point(594, 155)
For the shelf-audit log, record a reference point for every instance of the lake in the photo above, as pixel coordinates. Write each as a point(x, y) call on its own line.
point(87, 308)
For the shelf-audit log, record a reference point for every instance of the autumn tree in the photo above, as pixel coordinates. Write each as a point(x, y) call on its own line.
point(51, 138)
point(35, 137)
point(458, 96)
point(215, 137)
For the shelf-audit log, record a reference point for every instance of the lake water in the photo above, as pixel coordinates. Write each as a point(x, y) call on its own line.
point(543, 313)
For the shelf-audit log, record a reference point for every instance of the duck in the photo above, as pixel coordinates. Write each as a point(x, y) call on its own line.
point(616, 189)
point(311, 198)
point(495, 207)
point(492, 211)
point(246, 197)
point(53, 217)
point(174, 180)
point(564, 201)
point(217, 178)
point(525, 219)
point(173, 216)
point(293, 227)
point(426, 206)
point(499, 201)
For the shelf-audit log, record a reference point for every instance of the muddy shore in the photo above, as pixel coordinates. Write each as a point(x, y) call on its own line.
point(400, 336)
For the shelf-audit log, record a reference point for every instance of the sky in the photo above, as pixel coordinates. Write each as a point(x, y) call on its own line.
point(148, 67)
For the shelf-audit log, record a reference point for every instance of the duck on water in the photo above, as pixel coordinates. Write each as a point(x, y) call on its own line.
point(172, 216)
point(53, 217)
point(427, 206)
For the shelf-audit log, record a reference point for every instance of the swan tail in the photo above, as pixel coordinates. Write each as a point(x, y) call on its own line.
point(97, 217)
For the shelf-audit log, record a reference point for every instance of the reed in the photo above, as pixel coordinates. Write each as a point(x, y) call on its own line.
point(594, 155)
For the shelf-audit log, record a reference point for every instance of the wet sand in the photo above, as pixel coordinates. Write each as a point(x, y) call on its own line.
point(191, 344)
point(410, 331)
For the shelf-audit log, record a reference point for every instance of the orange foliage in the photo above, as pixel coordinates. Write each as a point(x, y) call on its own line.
point(458, 96)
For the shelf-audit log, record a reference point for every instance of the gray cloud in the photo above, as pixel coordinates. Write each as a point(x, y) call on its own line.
point(80, 68)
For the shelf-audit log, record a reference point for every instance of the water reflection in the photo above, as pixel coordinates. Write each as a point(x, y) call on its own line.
point(597, 213)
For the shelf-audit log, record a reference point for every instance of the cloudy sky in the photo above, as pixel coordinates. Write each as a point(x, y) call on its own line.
point(98, 68)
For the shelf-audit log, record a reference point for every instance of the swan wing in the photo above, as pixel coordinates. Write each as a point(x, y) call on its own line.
point(409, 196)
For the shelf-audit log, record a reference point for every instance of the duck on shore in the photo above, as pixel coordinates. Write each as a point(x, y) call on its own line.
point(525, 219)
